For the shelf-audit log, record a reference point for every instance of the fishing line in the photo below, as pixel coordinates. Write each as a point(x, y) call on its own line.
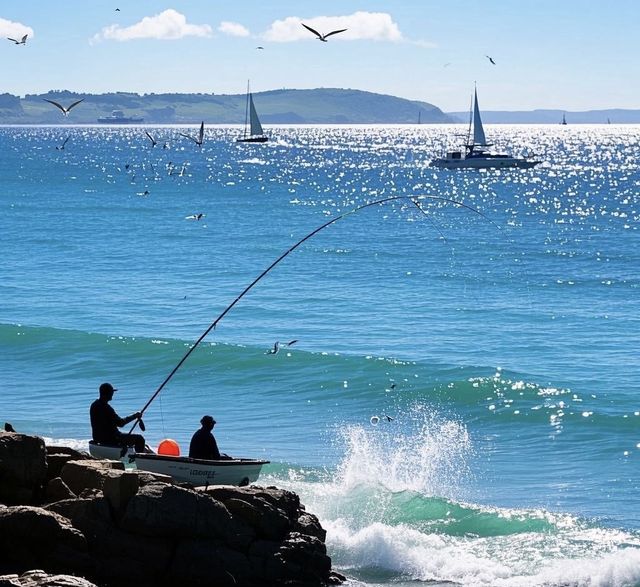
point(412, 199)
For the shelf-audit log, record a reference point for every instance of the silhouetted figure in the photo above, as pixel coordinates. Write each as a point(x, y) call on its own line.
point(203, 444)
point(105, 422)
point(8, 427)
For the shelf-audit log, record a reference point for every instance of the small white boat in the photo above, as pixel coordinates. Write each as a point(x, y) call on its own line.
point(477, 156)
point(233, 471)
point(253, 132)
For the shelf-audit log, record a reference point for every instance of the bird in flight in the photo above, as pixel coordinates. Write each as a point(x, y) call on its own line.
point(197, 216)
point(22, 41)
point(490, 59)
point(153, 141)
point(197, 141)
point(61, 147)
point(259, 47)
point(277, 345)
point(65, 111)
point(117, 10)
point(321, 37)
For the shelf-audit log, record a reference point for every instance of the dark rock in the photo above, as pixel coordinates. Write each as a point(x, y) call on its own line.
point(23, 468)
point(167, 510)
point(57, 490)
point(34, 538)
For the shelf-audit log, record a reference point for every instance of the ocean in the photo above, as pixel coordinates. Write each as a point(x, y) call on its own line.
point(461, 405)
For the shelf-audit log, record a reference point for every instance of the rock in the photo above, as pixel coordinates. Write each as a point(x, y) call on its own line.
point(119, 489)
point(23, 468)
point(168, 510)
point(41, 579)
point(86, 474)
point(34, 538)
point(57, 490)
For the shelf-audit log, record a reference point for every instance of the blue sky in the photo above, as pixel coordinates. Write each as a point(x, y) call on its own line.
point(566, 54)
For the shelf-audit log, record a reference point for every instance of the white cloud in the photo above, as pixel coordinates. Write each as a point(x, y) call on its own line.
point(233, 29)
point(377, 26)
point(15, 30)
point(167, 25)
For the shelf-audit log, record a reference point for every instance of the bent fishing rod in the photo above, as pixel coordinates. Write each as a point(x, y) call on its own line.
point(412, 199)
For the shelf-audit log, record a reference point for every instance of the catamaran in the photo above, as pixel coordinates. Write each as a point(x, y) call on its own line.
point(253, 132)
point(477, 156)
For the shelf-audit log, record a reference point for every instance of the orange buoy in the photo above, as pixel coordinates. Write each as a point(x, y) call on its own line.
point(169, 447)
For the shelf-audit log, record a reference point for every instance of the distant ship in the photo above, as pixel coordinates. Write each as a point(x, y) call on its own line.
point(118, 117)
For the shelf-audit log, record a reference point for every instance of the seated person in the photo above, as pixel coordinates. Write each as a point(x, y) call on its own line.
point(203, 444)
point(105, 422)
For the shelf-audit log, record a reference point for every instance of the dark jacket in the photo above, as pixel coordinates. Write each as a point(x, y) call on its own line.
point(105, 422)
point(203, 446)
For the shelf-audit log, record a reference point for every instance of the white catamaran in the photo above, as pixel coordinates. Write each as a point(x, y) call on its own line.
point(252, 124)
point(476, 155)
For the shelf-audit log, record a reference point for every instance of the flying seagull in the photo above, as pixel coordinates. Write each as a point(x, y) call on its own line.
point(153, 141)
point(322, 38)
point(65, 111)
point(22, 41)
point(276, 346)
point(490, 59)
point(197, 141)
point(61, 147)
point(197, 216)
point(259, 47)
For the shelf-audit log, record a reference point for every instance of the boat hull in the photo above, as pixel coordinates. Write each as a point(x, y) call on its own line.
point(239, 472)
point(484, 163)
point(253, 140)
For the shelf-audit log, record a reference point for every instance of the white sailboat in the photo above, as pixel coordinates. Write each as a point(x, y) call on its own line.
point(477, 156)
point(253, 132)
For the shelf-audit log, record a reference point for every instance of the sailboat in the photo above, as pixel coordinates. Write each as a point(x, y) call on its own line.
point(252, 124)
point(476, 155)
point(564, 119)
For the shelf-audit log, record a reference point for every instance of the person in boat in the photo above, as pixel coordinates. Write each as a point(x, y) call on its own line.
point(203, 444)
point(105, 422)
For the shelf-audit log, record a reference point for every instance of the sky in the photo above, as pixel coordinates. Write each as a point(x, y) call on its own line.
point(572, 55)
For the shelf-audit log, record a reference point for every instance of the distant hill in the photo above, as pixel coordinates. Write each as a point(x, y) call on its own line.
point(318, 106)
point(615, 116)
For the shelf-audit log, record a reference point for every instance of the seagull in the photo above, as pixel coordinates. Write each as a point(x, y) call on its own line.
point(389, 418)
point(117, 10)
point(22, 41)
point(259, 47)
point(65, 111)
point(490, 59)
point(153, 141)
point(200, 138)
point(61, 147)
point(194, 216)
point(322, 38)
point(276, 346)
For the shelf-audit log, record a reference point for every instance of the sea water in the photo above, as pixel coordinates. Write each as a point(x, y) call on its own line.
point(461, 405)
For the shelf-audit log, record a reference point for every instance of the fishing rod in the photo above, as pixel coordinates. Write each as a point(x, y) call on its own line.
point(412, 199)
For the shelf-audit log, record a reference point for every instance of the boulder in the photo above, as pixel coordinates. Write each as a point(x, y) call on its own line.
point(167, 510)
point(86, 474)
point(23, 468)
point(34, 538)
point(57, 490)
point(38, 578)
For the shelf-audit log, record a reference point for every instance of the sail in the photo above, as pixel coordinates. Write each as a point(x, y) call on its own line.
point(478, 131)
point(256, 127)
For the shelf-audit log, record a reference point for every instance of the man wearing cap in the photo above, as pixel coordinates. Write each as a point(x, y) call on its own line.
point(203, 444)
point(105, 422)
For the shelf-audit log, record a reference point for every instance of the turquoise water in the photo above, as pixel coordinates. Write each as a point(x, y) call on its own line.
point(504, 346)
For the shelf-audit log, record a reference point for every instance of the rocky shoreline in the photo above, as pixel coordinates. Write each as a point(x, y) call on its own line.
point(67, 519)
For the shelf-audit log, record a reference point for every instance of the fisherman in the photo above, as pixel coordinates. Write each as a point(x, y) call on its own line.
point(105, 422)
point(203, 444)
